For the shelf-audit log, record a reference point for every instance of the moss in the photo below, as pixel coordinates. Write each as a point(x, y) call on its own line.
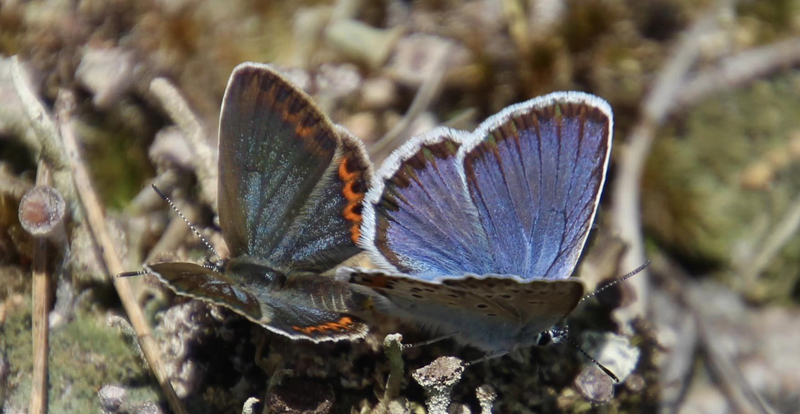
point(117, 157)
point(84, 356)
point(697, 198)
point(774, 16)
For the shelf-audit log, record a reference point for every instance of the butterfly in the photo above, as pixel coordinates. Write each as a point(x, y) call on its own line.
point(476, 235)
point(291, 186)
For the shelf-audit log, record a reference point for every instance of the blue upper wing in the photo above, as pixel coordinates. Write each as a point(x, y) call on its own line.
point(418, 218)
point(534, 173)
point(517, 196)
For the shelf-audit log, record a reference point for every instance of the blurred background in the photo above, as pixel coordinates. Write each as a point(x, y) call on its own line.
point(703, 182)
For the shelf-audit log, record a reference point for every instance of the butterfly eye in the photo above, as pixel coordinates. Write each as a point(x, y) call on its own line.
point(544, 338)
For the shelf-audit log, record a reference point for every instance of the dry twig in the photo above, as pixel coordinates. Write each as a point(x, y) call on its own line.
point(41, 294)
point(740, 394)
point(205, 157)
point(654, 110)
point(96, 219)
point(671, 92)
point(783, 233)
point(40, 120)
point(60, 151)
point(427, 92)
point(739, 69)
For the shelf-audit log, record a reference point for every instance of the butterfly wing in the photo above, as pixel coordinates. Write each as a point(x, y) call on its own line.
point(538, 304)
point(534, 173)
point(418, 218)
point(290, 190)
point(291, 183)
point(300, 307)
point(198, 282)
point(492, 312)
point(518, 197)
point(515, 203)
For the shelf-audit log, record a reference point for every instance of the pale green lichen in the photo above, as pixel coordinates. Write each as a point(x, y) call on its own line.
point(85, 355)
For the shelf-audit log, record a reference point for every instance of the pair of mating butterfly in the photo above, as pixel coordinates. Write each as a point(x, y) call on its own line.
point(474, 235)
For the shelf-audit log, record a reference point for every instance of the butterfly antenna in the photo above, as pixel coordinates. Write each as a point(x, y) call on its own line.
point(131, 274)
point(620, 280)
point(429, 341)
point(191, 226)
point(564, 334)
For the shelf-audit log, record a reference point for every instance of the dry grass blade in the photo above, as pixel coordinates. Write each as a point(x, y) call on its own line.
point(783, 233)
point(40, 120)
point(96, 219)
point(739, 69)
point(60, 149)
point(727, 375)
point(204, 160)
point(654, 110)
point(427, 92)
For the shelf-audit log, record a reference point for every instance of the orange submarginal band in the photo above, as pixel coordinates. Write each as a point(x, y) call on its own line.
point(353, 198)
point(343, 324)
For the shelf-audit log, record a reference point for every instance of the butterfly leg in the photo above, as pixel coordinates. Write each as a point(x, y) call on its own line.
point(555, 335)
point(430, 341)
point(493, 355)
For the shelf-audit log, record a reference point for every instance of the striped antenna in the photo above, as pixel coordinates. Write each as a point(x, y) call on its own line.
point(191, 226)
point(620, 280)
point(131, 274)
point(563, 334)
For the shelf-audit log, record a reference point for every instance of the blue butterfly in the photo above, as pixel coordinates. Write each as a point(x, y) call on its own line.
point(477, 234)
point(291, 187)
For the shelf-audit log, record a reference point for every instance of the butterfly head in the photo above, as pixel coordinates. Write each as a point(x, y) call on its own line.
point(216, 264)
point(553, 335)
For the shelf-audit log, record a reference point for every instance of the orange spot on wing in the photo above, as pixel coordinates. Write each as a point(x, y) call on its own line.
point(343, 324)
point(353, 198)
point(303, 132)
point(289, 117)
point(345, 174)
point(350, 194)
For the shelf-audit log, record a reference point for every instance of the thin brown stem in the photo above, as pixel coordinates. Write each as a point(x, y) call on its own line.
point(96, 220)
point(41, 305)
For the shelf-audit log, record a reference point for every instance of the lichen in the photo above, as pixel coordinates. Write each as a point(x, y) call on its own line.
point(84, 355)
